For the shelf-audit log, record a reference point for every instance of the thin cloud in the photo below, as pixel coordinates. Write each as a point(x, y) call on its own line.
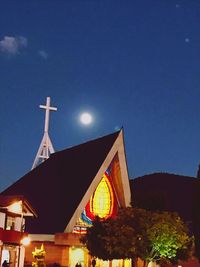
point(43, 54)
point(12, 45)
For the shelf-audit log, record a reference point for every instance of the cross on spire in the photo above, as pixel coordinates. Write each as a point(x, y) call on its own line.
point(46, 147)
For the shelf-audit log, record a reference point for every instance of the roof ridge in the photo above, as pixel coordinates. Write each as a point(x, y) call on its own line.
point(86, 142)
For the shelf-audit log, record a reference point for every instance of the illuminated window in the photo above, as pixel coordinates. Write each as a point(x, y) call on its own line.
point(10, 223)
point(101, 204)
point(76, 256)
point(5, 256)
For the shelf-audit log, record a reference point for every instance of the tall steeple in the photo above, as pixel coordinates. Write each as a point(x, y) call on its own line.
point(46, 147)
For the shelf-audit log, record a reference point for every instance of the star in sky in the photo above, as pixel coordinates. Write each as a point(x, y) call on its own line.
point(187, 40)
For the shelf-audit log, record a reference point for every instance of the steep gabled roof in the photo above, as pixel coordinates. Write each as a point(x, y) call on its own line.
point(56, 187)
point(7, 200)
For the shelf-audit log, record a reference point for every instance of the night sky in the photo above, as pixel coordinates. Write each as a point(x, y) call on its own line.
point(132, 64)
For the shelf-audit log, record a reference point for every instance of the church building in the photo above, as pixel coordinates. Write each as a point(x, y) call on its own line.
point(67, 191)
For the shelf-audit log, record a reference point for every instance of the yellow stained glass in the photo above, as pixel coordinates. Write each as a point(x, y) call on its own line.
point(102, 202)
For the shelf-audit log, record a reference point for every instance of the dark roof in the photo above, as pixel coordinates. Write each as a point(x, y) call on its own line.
point(174, 192)
point(7, 200)
point(56, 187)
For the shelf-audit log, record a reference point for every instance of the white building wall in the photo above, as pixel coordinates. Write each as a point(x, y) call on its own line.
point(21, 254)
point(18, 224)
point(2, 219)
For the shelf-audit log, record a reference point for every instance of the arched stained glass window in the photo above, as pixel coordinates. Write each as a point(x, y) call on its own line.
point(102, 201)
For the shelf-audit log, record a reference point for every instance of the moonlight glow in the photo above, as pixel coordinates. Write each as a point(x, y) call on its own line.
point(86, 118)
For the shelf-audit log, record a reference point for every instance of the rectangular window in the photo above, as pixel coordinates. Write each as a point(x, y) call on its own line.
point(10, 223)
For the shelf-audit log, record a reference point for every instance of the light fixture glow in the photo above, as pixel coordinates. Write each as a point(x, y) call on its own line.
point(16, 207)
point(26, 241)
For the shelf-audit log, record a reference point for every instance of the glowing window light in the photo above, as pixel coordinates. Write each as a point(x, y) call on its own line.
point(76, 255)
point(5, 256)
point(101, 204)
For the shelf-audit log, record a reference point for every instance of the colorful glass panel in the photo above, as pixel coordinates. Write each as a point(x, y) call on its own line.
point(102, 204)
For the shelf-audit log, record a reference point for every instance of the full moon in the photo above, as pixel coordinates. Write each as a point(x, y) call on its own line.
point(86, 118)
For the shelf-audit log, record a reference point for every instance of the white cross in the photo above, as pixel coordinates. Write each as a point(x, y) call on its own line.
point(46, 147)
point(48, 109)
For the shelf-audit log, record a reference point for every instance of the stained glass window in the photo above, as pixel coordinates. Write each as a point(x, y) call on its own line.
point(102, 203)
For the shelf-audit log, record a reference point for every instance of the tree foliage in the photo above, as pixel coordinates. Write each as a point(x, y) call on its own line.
point(168, 237)
point(138, 233)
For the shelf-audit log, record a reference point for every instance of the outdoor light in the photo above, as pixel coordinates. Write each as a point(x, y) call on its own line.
point(16, 207)
point(26, 241)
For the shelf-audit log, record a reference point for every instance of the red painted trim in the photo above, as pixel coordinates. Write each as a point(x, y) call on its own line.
point(13, 237)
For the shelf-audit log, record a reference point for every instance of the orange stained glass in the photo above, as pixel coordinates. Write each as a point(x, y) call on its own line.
point(102, 202)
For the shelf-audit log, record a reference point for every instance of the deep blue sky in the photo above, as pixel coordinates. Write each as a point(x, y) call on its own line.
point(133, 63)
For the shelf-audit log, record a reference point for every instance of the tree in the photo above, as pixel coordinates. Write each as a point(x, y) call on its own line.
point(169, 238)
point(138, 233)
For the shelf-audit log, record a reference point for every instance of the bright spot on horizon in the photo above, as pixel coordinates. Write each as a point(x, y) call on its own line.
point(86, 118)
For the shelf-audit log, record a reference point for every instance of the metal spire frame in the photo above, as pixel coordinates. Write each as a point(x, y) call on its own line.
point(46, 147)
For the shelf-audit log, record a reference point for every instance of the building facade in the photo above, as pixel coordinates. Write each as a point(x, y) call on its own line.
point(13, 238)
